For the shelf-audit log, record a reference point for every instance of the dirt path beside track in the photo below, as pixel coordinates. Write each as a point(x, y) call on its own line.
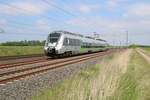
point(144, 55)
point(121, 76)
point(109, 76)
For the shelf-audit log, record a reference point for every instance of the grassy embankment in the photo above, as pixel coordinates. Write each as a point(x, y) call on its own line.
point(123, 76)
point(27, 50)
point(20, 50)
point(147, 49)
point(73, 88)
point(135, 83)
point(90, 83)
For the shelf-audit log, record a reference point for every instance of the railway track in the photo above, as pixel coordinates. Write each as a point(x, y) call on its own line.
point(23, 62)
point(10, 74)
point(2, 58)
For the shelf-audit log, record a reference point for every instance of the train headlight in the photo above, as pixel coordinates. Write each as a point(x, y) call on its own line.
point(45, 48)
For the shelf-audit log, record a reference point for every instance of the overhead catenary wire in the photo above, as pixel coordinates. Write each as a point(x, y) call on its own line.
point(65, 11)
point(50, 18)
point(17, 25)
point(29, 31)
point(45, 1)
point(16, 22)
point(59, 8)
point(27, 25)
point(22, 9)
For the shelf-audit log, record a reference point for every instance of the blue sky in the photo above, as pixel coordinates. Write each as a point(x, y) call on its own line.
point(34, 19)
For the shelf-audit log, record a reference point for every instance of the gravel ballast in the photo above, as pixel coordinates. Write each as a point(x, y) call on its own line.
point(23, 89)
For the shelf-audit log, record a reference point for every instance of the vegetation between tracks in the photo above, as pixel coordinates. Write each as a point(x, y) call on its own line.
point(122, 76)
point(20, 50)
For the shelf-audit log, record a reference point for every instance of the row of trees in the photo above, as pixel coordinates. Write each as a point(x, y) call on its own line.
point(24, 43)
point(136, 45)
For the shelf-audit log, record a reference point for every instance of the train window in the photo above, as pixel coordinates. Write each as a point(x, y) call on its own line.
point(53, 37)
point(75, 42)
point(71, 42)
point(54, 34)
point(53, 40)
point(78, 42)
point(66, 41)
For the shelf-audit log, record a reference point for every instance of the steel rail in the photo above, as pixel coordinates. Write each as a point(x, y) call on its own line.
point(32, 71)
point(2, 58)
point(14, 64)
point(52, 62)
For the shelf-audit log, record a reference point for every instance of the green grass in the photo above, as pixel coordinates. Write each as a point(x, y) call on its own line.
point(70, 87)
point(76, 87)
point(135, 83)
point(20, 50)
point(147, 49)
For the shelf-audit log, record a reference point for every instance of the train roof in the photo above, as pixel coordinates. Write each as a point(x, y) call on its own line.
point(75, 34)
point(66, 32)
point(101, 40)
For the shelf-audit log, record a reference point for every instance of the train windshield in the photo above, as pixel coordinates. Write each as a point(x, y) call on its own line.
point(53, 37)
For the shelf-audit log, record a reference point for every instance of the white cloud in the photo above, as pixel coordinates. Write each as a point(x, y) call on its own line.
point(3, 22)
point(27, 8)
point(138, 10)
point(3, 25)
point(42, 25)
point(97, 23)
point(111, 4)
point(111, 29)
point(86, 8)
point(82, 8)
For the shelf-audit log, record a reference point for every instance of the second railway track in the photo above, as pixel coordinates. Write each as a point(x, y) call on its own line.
point(11, 74)
point(3, 58)
point(23, 62)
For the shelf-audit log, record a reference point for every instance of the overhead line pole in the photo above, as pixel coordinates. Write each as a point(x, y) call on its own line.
point(127, 38)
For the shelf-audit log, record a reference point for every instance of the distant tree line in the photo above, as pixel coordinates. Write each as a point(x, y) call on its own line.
point(135, 45)
point(24, 43)
point(145, 46)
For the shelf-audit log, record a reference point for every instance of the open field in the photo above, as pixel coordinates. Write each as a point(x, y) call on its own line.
point(147, 49)
point(121, 76)
point(27, 50)
point(20, 50)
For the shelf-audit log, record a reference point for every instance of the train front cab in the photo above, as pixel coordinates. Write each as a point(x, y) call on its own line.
point(51, 44)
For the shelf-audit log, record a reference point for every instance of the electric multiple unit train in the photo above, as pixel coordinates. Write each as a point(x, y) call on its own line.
point(67, 43)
